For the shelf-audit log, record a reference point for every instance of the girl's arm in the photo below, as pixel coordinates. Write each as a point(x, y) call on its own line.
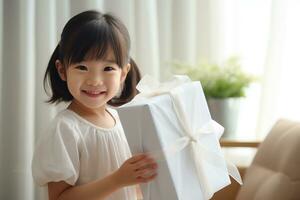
point(93, 190)
point(137, 169)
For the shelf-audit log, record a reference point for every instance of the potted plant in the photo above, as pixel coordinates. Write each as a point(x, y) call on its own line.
point(224, 87)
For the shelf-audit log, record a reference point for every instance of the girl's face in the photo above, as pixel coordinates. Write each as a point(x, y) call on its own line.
point(93, 83)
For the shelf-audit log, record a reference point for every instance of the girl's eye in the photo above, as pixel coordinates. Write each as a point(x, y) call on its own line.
point(81, 67)
point(108, 68)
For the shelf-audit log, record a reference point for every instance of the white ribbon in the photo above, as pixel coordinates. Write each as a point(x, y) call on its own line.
point(149, 87)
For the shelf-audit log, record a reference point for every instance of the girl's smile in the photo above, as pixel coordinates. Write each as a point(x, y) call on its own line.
point(94, 93)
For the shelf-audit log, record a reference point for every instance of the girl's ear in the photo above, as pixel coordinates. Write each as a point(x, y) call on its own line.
point(61, 70)
point(124, 72)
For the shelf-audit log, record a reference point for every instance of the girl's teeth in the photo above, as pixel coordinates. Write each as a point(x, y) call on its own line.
point(92, 92)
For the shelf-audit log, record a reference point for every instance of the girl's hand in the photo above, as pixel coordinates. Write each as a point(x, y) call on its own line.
point(137, 169)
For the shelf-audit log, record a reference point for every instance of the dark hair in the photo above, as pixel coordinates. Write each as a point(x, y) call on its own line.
point(90, 35)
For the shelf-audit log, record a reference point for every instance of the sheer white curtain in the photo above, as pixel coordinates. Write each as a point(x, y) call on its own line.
point(283, 79)
point(265, 36)
point(17, 99)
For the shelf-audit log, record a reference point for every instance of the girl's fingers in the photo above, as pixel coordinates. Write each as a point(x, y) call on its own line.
point(145, 172)
point(144, 163)
point(136, 158)
point(147, 166)
point(147, 179)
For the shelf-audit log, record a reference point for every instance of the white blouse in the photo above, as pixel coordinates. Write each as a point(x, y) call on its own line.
point(76, 151)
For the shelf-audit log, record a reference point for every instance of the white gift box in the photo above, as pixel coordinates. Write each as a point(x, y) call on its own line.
point(172, 122)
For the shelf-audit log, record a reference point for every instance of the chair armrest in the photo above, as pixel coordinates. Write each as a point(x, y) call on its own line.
point(235, 143)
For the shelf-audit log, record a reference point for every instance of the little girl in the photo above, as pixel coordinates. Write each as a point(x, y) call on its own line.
point(84, 154)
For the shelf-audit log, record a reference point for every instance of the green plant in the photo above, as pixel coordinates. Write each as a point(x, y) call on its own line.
point(218, 81)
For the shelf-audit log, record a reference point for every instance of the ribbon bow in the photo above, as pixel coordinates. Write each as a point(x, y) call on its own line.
point(149, 87)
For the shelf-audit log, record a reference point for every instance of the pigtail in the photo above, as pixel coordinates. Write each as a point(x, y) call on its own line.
point(52, 79)
point(129, 88)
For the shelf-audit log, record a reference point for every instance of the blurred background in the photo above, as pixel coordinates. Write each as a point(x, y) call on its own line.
point(263, 35)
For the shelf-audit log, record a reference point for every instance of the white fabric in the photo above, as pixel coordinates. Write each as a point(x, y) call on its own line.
point(77, 152)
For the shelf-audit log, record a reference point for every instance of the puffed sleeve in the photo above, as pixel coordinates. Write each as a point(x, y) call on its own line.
point(56, 156)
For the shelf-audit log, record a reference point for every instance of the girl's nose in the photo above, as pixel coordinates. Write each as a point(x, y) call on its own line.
point(94, 81)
